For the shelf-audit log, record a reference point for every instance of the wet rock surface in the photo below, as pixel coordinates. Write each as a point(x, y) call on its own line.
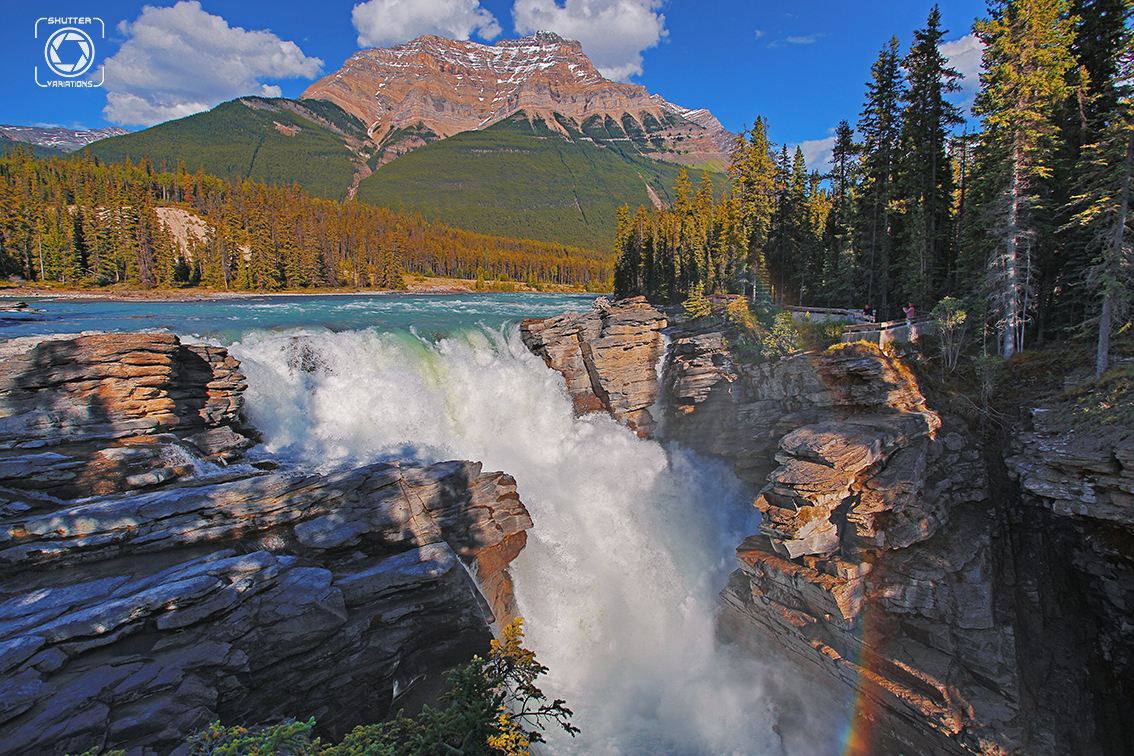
point(134, 617)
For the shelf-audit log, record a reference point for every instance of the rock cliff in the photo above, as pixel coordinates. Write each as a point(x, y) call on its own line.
point(118, 411)
point(872, 568)
point(608, 356)
point(132, 618)
point(433, 88)
point(897, 562)
point(1076, 592)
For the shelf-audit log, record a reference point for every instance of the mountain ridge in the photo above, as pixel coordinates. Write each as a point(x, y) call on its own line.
point(441, 87)
point(58, 138)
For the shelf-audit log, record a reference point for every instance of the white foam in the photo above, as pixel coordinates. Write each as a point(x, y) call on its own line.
point(632, 541)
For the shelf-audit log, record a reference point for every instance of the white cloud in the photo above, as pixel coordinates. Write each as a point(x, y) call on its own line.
point(182, 60)
point(800, 39)
point(817, 154)
point(382, 23)
point(613, 32)
point(964, 55)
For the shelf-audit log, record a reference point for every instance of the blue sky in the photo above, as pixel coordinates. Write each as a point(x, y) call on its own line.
point(802, 65)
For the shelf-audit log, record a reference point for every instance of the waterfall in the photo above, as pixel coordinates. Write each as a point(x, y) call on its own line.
point(632, 539)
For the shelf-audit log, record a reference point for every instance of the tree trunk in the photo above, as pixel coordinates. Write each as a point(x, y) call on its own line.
point(1011, 264)
point(1116, 247)
point(1104, 336)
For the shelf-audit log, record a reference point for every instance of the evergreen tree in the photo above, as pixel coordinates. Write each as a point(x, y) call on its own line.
point(1106, 171)
point(880, 128)
point(926, 173)
point(752, 172)
point(1083, 114)
point(1026, 56)
point(838, 268)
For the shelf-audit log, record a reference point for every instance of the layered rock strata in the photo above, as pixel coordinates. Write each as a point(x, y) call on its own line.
point(608, 356)
point(874, 562)
point(106, 413)
point(877, 567)
point(131, 620)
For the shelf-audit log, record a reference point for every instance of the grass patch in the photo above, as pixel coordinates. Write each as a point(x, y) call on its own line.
point(1103, 404)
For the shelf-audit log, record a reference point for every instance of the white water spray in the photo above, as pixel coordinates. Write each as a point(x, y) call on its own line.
point(618, 584)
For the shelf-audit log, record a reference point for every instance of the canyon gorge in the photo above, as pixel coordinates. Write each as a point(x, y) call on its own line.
point(968, 593)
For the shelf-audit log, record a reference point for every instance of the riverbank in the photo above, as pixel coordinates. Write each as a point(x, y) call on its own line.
point(414, 284)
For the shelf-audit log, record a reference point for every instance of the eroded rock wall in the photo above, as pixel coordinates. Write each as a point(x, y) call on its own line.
point(106, 413)
point(877, 566)
point(974, 605)
point(132, 619)
point(608, 356)
point(1075, 585)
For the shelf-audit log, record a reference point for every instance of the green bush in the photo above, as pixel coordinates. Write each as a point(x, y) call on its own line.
point(952, 330)
point(782, 340)
point(819, 334)
point(287, 739)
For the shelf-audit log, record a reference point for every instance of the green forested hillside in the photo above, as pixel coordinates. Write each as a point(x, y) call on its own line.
point(272, 141)
point(78, 221)
point(7, 143)
point(522, 179)
point(517, 178)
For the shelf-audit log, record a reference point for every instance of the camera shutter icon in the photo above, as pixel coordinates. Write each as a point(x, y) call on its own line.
point(69, 52)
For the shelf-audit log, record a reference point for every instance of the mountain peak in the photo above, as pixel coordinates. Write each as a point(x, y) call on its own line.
point(436, 87)
point(541, 39)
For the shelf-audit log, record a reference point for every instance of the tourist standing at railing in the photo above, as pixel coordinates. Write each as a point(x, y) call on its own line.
point(910, 313)
point(868, 314)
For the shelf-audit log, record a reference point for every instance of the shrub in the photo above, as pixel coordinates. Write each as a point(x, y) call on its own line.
point(781, 340)
point(287, 739)
point(952, 330)
point(819, 334)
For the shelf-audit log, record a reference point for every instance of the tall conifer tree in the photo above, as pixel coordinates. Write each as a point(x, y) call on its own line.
point(927, 176)
point(1106, 171)
point(1026, 56)
point(880, 129)
point(752, 172)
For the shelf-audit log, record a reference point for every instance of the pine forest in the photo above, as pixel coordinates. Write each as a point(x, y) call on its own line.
point(76, 221)
point(1024, 220)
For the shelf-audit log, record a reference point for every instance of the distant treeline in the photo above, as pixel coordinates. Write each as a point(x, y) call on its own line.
point(1025, 220)
point(77, 221)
